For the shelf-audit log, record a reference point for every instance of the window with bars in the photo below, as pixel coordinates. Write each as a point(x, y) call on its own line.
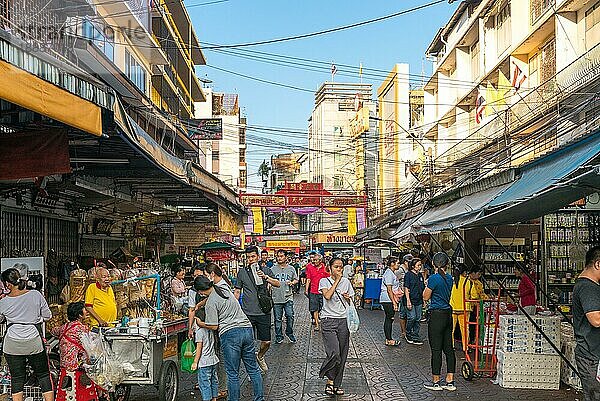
point(242, 157)
point(135, 71)
point(537, 8)
point(548, 61)
point(534, 72)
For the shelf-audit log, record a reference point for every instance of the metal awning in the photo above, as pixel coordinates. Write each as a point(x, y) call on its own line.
point(542, 174)
point(457, 213)
point(548, 184)
point(405, 228)
point(545, 201)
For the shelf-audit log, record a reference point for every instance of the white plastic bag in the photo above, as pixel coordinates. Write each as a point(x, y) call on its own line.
point(352, 318)
point(92, 343)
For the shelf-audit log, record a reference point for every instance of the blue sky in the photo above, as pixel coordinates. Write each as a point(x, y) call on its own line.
point(379, 46)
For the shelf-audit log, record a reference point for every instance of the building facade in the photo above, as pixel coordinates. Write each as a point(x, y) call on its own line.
point(332, 156)
point(509, 84)
point(225, 157)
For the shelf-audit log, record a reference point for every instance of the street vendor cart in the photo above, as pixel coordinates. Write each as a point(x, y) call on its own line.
point(147, 350)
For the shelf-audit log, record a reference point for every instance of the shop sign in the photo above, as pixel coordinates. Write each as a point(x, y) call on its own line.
point(307, 200)
point(283, 244)
point(360, 122)
point(102, 226)
point(206, 129)
point(190, 234)
point(218, 254)
point(334, 238)
point(262, 200)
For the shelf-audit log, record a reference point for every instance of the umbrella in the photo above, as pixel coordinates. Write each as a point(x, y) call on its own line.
point(215, 245)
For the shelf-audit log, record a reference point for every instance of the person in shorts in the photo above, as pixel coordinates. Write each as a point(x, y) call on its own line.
point(315, 271)
point(250, 280)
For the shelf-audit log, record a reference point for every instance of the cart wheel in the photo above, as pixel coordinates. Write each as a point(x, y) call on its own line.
point(467, 370)
point(121, 393)
point(168, 382)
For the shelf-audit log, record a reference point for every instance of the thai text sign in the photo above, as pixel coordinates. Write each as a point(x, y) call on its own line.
point(308, 200)
point(333, 238)
point(206, 129)
point(283, 244)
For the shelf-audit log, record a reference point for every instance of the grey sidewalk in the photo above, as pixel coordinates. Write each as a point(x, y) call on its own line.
point(374, 372)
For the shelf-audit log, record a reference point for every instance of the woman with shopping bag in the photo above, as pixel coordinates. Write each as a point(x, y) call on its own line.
point(337, 315)
point(73, 383)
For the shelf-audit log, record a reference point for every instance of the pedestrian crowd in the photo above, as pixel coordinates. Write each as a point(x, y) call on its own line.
point(227, 319)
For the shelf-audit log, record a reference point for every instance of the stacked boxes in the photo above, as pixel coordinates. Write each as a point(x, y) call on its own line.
point(567, 345)
point(532, 371)
point(525, 358)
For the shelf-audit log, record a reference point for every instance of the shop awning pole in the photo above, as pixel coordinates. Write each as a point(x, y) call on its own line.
point(537, 327)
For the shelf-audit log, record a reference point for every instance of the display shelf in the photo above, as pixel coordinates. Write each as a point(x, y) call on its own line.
point(500, 260)
point(561, 232)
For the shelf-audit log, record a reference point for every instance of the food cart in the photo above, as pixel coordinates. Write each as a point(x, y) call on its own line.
point(146, 345)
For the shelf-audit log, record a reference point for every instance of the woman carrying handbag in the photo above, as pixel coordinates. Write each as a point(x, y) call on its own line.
point(337, 295)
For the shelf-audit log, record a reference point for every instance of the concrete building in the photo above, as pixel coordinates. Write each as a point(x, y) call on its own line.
point(505, 81)
point(286, 168)
point(332, 156)
point(226, 157)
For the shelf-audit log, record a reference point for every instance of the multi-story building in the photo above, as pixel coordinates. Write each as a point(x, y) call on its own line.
point(225, 157)
point(286, 168)
point(94, 105)
point(332, 155)
point(509, 84)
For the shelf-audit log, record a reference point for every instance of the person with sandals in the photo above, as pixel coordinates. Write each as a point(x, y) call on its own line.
point(389, 297)
point(337, 294)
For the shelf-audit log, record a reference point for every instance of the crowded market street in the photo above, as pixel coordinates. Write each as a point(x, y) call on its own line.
point(374, 372)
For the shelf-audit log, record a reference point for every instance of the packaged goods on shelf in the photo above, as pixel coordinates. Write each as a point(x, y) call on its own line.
point(528, 371)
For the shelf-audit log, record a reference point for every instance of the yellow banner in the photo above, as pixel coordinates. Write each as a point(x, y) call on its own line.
point(283, 244)
point(258, 220)
point(352, 227)
point(33, 93)
point(228, 223)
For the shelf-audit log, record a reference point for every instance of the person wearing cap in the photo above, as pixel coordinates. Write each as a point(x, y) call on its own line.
point(438, 290)
point(402, 309)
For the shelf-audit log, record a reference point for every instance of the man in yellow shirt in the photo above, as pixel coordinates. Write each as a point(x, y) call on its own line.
point(100, 299)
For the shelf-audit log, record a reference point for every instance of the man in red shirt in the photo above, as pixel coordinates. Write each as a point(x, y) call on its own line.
point(315, 271)
point(526, 292)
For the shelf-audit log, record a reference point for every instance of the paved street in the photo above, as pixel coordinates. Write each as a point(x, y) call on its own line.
point(374, 372)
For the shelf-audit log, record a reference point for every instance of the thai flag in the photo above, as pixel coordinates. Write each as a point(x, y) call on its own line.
point(518, 76)
point(479, 106)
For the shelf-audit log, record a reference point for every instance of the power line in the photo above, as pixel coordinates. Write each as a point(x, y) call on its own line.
point(330, 30)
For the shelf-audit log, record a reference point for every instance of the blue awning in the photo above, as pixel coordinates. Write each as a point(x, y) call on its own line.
point(457, 213)
point(547, 184)
point(549, 170)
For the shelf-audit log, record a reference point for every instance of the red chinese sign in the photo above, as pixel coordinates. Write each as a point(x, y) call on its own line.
point(219, 254)
point(304, 194)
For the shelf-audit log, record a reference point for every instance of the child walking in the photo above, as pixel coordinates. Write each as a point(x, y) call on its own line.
point(206, 361)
